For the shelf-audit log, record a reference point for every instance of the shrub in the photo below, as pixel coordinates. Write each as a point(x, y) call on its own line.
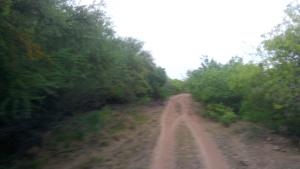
point(220, 113)
point(228, 117)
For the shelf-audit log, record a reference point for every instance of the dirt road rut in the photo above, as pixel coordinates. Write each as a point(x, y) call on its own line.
point(183, 138)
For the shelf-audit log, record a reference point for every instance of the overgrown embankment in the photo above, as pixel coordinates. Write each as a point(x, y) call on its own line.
point(107, 138)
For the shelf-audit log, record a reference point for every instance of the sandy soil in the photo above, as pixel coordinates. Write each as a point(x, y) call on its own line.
point(188, 141)
point(180, 113)
point(248, 146)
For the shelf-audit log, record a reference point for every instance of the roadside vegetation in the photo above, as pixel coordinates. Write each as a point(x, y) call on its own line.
point(90, 130)
point(267, 92)
point(58, 59)
point(63, 70)
point(173, 86)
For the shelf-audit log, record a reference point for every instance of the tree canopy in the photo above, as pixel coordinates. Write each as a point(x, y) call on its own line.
point(267, 92)
point(57, 59)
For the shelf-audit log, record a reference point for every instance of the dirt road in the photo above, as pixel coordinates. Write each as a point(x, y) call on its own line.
point(174, 136)
point(178, 122)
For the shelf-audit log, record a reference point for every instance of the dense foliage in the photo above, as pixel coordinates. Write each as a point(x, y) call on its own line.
point(220, 113)
point(57, 59)
point(268, 92)
point(173, 86)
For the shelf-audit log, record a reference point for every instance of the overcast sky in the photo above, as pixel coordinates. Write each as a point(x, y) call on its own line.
point(179, 32)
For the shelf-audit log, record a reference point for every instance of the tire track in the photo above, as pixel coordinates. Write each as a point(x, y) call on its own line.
point(179, 113)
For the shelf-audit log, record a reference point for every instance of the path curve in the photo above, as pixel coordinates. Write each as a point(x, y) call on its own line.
point(180, 110)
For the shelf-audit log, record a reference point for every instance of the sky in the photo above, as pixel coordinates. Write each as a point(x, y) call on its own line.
point(178, 32)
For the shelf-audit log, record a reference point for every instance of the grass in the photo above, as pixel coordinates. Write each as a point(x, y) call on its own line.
point(251, 132)
point(80, 127)
point(96, 128)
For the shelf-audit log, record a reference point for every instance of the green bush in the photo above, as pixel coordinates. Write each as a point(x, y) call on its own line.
point(221, 113)
point(85, 125)
point(44, 77)
point(228, 117)
point(212, 115)
point(267, 92)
